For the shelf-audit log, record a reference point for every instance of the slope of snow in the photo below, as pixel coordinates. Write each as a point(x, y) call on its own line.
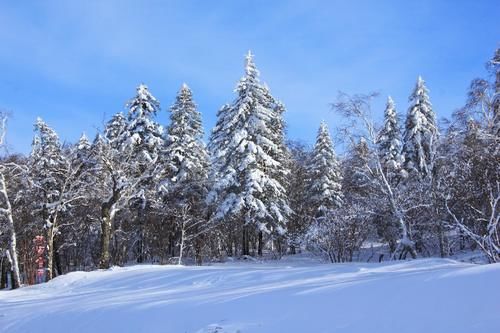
point(428, 295)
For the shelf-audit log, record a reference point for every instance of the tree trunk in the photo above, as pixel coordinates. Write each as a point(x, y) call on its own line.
point(443, 244)
point(198, 254)
point(405, 244)
point(279, 247)
point(181, 247)
point(261, 245)
point(13, 239)
point(140, 241)
point(245, 249)
point(105, 238)
point(3, 273)
point(50, 252)
point(108, 211)
point(57, 260)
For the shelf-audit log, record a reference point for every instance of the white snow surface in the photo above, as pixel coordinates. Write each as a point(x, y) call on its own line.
point(293, 295)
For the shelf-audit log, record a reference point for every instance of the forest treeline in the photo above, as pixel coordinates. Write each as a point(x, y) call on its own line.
point(139, 192)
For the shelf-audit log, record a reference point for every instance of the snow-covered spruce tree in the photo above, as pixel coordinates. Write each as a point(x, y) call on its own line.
point(115, 129)
point(83, 148)
point(336, 231)
point(143, 139)
point(389, 142)
point(248, 157)
point(219, 140)
point(281, 174)
point(325, 189)
point(142, 135)
point(297, 189)
point(186, 170)
point(124, 177)
point(356, 182)
point(421, 132)
point(228, 233)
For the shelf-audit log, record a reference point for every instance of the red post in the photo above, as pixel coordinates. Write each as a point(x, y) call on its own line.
point(40, 246)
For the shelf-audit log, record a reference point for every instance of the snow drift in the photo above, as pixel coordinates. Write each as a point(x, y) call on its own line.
point(428, 295)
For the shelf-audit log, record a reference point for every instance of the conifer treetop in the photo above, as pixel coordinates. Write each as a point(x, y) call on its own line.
point(250, 68)
point(325, 188)
point(143, 104)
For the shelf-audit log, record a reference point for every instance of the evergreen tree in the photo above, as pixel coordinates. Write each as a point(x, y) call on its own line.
point(248, 188)
point(421, 132)
point(325, 178)
point(389, 141)
point(186, 161)
point(356, 179)
point(83, 149)
point(185, 154)
point(143, 135)
point(143, 138)
point(115, 129)
point(298, 194)
point(219, 139)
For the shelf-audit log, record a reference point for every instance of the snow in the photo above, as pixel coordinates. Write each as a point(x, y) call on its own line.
point(296, 294)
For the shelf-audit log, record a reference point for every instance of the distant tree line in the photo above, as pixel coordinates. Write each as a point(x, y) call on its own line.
point(139, 192)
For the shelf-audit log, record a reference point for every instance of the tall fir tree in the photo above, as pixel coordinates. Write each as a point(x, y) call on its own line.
point(298, 194)
point(421, 132)
point(143, 137)
point(219, 139)
point(186, 163)
point(83, 148)
point(389, 141)
point(251, 153)
point(185, 154)
point(325, 175)
point(115, 129)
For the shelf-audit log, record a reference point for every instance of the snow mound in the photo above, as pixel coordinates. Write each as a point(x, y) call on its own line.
point(428, 295)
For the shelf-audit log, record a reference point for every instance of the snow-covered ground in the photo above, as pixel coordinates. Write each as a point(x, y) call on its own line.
point(293, 295)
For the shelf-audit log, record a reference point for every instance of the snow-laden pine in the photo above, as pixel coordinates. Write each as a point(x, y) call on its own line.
point(143, 137)
point(115, 129)
point(186, 169)
point(186, 158)
point(248, 151)
point(421, 131)
point(83, 148)
point(325, 191)
point(389, 141)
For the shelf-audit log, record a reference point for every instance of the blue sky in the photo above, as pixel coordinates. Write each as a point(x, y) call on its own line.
point(75, 63)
